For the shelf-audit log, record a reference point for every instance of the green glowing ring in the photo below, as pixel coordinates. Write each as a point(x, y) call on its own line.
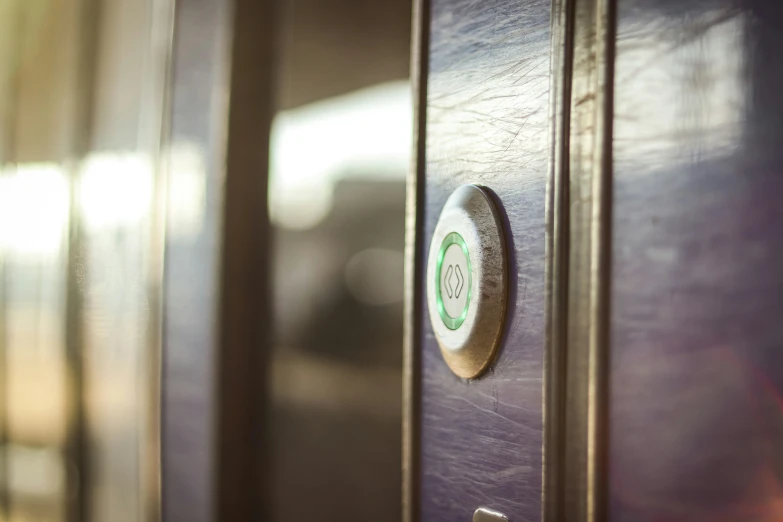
point(452, 323)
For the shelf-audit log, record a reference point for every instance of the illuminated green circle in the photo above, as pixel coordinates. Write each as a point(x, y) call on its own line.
point(452, 322)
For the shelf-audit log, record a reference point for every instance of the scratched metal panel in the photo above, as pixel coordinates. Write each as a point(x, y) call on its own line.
point(487, 107)
point(696, 418)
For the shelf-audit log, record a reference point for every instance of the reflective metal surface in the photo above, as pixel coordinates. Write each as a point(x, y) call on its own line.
point(582, 482)
point(696, 364)
point(470, 272)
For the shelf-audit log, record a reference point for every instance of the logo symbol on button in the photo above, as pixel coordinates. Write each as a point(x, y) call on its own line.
point(453, 280)
point(454, 271)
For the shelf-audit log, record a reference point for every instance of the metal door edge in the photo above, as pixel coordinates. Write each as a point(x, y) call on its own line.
point(414, 252)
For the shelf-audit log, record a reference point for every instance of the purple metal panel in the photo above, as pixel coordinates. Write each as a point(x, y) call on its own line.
point(696, 414)
point(487, 107)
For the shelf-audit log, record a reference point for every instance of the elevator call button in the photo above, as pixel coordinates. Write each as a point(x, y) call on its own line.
point(467, 281)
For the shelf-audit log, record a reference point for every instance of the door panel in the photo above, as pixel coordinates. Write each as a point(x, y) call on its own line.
point(487, 123)
point(648, 291)
point(696, 367)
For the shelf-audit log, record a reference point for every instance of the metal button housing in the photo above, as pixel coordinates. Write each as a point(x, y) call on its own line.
point(467, 281)
point(488, 515)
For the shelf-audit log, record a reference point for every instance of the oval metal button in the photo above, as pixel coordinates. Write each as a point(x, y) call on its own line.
point(467, 281)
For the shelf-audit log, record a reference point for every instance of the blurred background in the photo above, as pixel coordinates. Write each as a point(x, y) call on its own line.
point(340, 153)
point(115, 152)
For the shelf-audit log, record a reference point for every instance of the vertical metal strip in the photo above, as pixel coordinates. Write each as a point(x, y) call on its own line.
point(557, 261)
point(590, 176)
point(5, 508)
point(8, 103)
point(162, 32)
point(5, 496)
point(414, 220)
point(601, 263)
point(77, 445)
point(245, 299)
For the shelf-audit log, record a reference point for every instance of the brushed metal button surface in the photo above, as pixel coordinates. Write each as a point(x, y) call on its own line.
point(467, 281)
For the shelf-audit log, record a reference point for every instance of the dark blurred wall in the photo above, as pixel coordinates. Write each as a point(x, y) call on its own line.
point(336, 386)
point(330, 47)
point(337, 355)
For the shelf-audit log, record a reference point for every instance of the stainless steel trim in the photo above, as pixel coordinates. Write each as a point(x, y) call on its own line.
point(597, 431)
point(557, 262)
point(411, 370)
point(584, 478)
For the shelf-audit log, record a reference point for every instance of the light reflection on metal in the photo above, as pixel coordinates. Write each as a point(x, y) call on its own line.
point(115, 190)
point(488, 515)
point(712, 64)
point(187, 190)
point(33, 210)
